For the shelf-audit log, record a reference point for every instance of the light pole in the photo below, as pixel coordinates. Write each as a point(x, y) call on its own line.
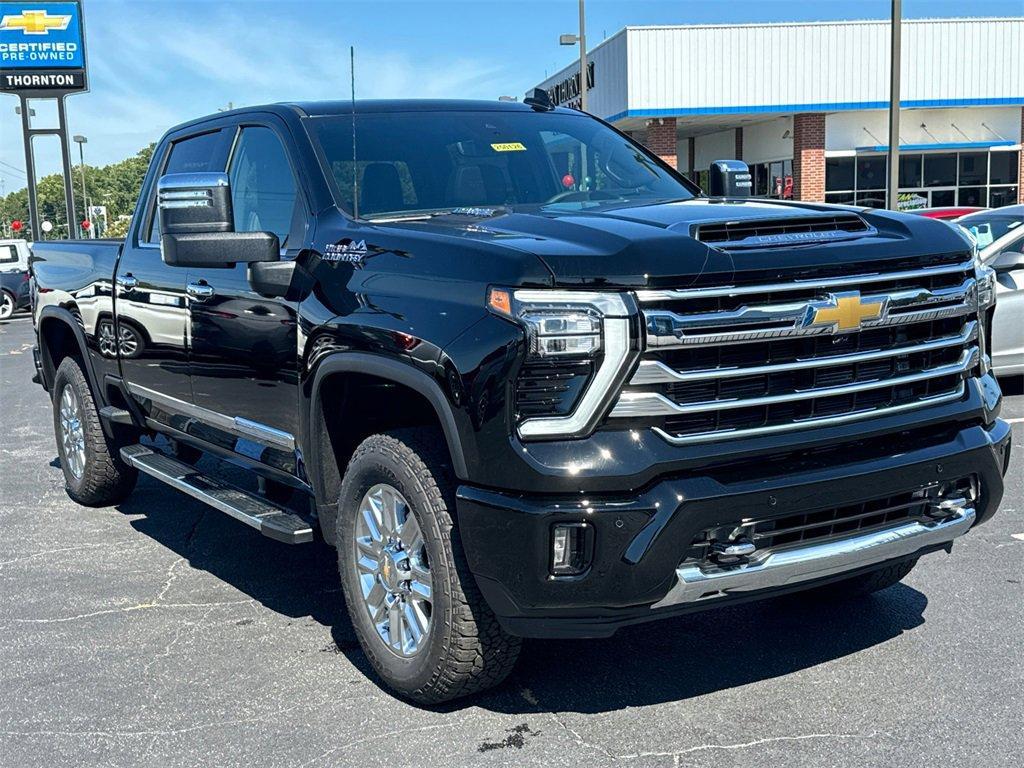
point(892, 196)
point(80, 140)
point(581, 38)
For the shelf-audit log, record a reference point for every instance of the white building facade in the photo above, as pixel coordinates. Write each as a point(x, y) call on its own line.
point(805, 105)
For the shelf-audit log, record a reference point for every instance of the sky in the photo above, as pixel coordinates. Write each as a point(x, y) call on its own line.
point(156, 63)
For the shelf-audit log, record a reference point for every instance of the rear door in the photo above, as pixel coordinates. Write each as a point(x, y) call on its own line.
point(244, 359)
point(150, 336)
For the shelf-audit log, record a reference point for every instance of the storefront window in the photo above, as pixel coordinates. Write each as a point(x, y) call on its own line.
point(971, 196)
point(1000, 196)
point(910, 170)
point(940, 170)
point(871, 171)
point(1003, 168)
point(838, 173)
point(973, 168)
point(927, 180)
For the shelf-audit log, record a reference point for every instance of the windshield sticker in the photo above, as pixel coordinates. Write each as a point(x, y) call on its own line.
point(510, 146)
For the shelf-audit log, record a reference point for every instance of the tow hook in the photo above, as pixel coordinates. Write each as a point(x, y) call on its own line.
point(732, 552)
point(946, 508)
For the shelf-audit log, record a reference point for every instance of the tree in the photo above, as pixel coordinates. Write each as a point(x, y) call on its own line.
point(116, 186)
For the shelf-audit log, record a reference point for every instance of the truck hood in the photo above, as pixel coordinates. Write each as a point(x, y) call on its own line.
point(652, 245)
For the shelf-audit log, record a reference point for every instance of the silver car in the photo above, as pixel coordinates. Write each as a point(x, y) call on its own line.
point(1000, 236)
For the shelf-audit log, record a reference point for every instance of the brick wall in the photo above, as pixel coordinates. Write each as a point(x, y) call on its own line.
point(809, 157)
point(661, 139)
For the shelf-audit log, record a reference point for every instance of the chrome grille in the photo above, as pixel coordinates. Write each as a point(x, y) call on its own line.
point(732, 361)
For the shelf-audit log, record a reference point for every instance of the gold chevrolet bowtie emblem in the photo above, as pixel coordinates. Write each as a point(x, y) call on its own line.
point(35, 22)
point(845, 311)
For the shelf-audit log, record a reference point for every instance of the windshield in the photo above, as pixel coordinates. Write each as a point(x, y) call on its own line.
point(989, 226)
point(436, 162)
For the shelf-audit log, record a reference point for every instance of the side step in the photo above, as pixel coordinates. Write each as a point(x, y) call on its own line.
point(255, 511)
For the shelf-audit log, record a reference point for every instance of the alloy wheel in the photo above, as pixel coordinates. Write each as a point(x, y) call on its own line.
point(392, 570)
point(72, 433)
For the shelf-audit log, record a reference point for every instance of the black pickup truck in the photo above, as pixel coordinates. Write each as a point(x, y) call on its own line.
point(523, 376)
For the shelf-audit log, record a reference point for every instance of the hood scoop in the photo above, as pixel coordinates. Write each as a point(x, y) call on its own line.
point(792, 230)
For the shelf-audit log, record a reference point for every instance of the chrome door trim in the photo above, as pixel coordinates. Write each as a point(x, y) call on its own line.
point(236, 425)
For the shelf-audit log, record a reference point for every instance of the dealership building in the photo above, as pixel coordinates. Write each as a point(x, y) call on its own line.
point(805, 105)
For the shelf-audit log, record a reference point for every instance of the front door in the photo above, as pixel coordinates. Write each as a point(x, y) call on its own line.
point(150, 335)
point(243, 359)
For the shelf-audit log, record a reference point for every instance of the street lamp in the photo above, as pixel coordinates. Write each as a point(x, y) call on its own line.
point(80, 140)
point(581, 38)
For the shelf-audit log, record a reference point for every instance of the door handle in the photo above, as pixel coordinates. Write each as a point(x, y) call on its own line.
point(201, 290)
point(128, 282)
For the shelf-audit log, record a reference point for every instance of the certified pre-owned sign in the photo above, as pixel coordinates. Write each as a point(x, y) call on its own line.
point(42, 47)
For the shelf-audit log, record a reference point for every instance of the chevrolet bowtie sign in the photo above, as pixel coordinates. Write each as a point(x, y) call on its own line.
point(42, 47)
point(845, 311)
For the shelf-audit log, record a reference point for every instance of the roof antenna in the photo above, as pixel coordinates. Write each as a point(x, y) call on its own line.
point(355, 164)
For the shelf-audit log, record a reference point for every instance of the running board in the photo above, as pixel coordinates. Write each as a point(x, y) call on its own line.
point(255, 511)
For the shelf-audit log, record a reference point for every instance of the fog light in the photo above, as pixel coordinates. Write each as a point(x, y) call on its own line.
point(571, 544)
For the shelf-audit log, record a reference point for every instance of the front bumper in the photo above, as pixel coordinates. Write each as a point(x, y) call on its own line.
point(640, 538)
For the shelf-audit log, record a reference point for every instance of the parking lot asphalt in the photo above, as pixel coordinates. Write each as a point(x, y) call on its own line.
point(162, 633)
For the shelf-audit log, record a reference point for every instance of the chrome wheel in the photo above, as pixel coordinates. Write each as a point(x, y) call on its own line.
point(392, 570)
point(6, 305)
point(72, 435)
point(127, 342)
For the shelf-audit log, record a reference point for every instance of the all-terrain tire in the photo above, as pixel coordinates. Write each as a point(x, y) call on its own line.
point(466, 650)
point(105, 479)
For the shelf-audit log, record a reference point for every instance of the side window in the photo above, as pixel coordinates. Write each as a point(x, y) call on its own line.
point(8, 254)
point(263, 191)
point(196, 154)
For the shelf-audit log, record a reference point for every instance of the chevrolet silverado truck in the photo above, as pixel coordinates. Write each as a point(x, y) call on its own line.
point(527, 379)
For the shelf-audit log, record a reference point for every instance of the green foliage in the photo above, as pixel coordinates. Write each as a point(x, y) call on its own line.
point(115, 186)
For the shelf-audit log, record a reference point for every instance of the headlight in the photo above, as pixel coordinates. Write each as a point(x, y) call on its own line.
point(579, 350)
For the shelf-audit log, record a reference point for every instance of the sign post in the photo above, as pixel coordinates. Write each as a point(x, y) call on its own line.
point(42, 56)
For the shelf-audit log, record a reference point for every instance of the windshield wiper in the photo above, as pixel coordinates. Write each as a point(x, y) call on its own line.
point(480, 212)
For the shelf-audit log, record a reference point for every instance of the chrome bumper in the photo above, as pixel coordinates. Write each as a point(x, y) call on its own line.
point(792, 566)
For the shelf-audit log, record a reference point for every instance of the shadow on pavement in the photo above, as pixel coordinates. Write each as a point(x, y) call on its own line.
point(668, 660)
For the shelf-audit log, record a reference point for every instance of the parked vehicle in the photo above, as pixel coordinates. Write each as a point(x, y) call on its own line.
point(14, 256)
point(946, 213)
point(14, 293)
point(1000, 237)
point(527, 379)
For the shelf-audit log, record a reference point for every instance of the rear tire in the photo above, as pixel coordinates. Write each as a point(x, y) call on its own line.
point(866, 583)
point(460, 649)
point(94, 474)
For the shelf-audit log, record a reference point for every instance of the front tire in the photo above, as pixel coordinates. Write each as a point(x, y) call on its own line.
point(94, 474)
point(7, 305)
point(414, 604)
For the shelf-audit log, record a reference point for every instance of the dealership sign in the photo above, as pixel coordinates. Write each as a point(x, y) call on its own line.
point(567, 92)
point(42, 47)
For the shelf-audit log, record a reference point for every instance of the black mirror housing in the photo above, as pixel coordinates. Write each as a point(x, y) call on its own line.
point(194, 202)
point(729, 178)
point(219, 249)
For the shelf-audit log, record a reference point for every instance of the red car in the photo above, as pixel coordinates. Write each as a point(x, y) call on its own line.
point(948, 212)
